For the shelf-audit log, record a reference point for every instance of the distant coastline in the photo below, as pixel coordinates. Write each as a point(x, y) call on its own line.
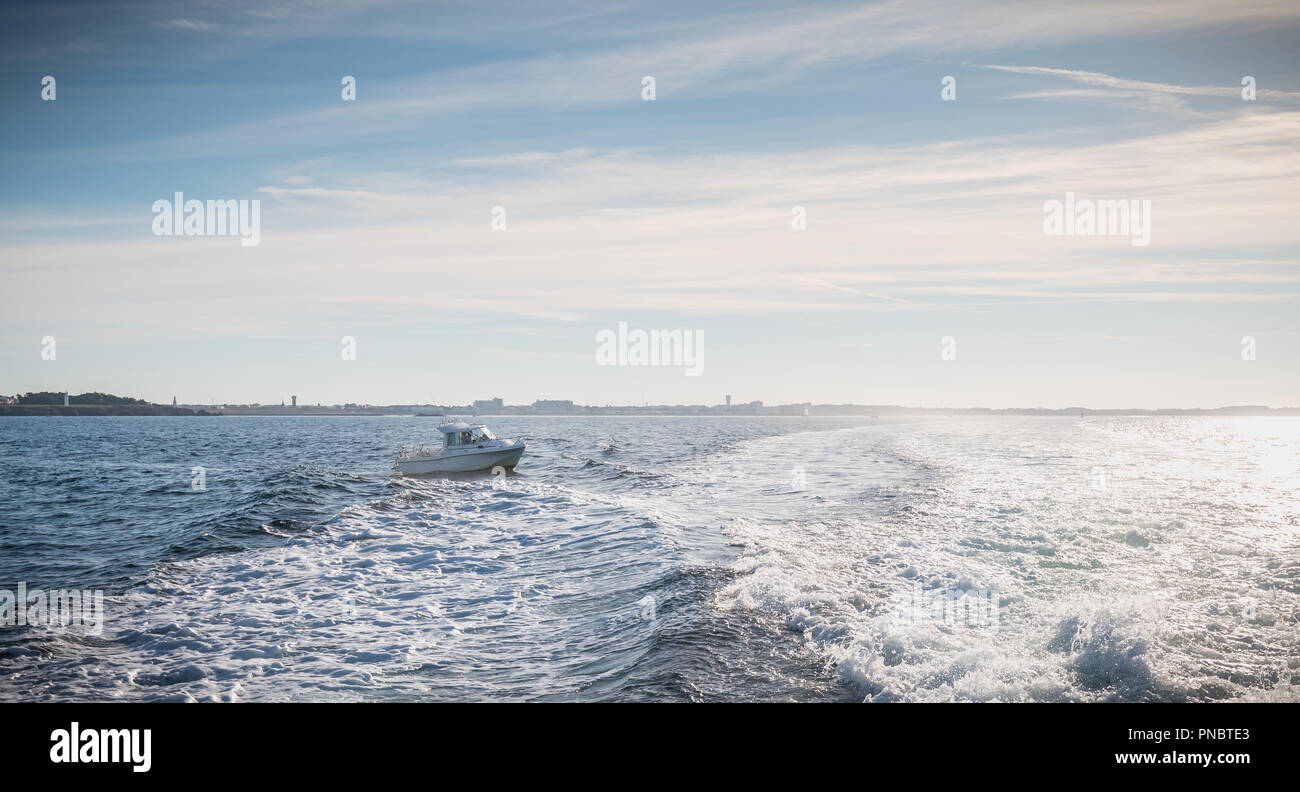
point(101, 409)
point(98, 404)
point(814, 411)
point(92, 403)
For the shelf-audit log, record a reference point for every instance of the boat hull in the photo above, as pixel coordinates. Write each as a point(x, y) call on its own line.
point(462, 463)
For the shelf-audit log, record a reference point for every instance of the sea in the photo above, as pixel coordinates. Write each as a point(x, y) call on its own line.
point(899, 559)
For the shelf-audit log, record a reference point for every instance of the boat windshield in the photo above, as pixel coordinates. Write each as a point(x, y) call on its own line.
point(469, 437)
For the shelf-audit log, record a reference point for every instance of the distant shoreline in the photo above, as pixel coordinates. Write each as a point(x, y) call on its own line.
point(82, 410)
point(783, 411)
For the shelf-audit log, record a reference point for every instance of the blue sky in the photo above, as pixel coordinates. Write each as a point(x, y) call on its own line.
point(924, 216)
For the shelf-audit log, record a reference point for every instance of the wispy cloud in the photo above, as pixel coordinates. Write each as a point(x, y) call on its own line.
point(850, 290)
point(1109, 86)
point(185, 24)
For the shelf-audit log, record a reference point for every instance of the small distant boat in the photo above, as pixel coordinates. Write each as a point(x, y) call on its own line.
point(465, 447)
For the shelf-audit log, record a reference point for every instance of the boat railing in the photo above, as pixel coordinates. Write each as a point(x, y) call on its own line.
point(422, 450)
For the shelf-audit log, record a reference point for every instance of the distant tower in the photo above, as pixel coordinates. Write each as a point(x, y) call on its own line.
point(173, 401)
point(728, 399)
point(65, 398)
point(295, 400)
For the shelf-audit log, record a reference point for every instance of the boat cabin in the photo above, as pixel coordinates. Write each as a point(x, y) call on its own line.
point(463, 435)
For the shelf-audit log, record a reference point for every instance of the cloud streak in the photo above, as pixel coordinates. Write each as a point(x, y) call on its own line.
point(1105, 85)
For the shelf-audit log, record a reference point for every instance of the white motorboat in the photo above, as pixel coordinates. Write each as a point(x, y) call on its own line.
point(465, 447)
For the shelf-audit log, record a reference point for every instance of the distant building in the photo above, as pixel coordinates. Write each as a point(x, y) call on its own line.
point(553, 406)
point(748, 408)
point(489, 405)
point(728, 399)
point(295, 400)
point(65, 398)
point(173, 401)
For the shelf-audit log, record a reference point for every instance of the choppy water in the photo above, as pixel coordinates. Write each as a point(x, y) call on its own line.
point(660, 559)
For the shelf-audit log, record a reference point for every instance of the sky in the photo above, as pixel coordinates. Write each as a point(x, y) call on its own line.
point(502, 189)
